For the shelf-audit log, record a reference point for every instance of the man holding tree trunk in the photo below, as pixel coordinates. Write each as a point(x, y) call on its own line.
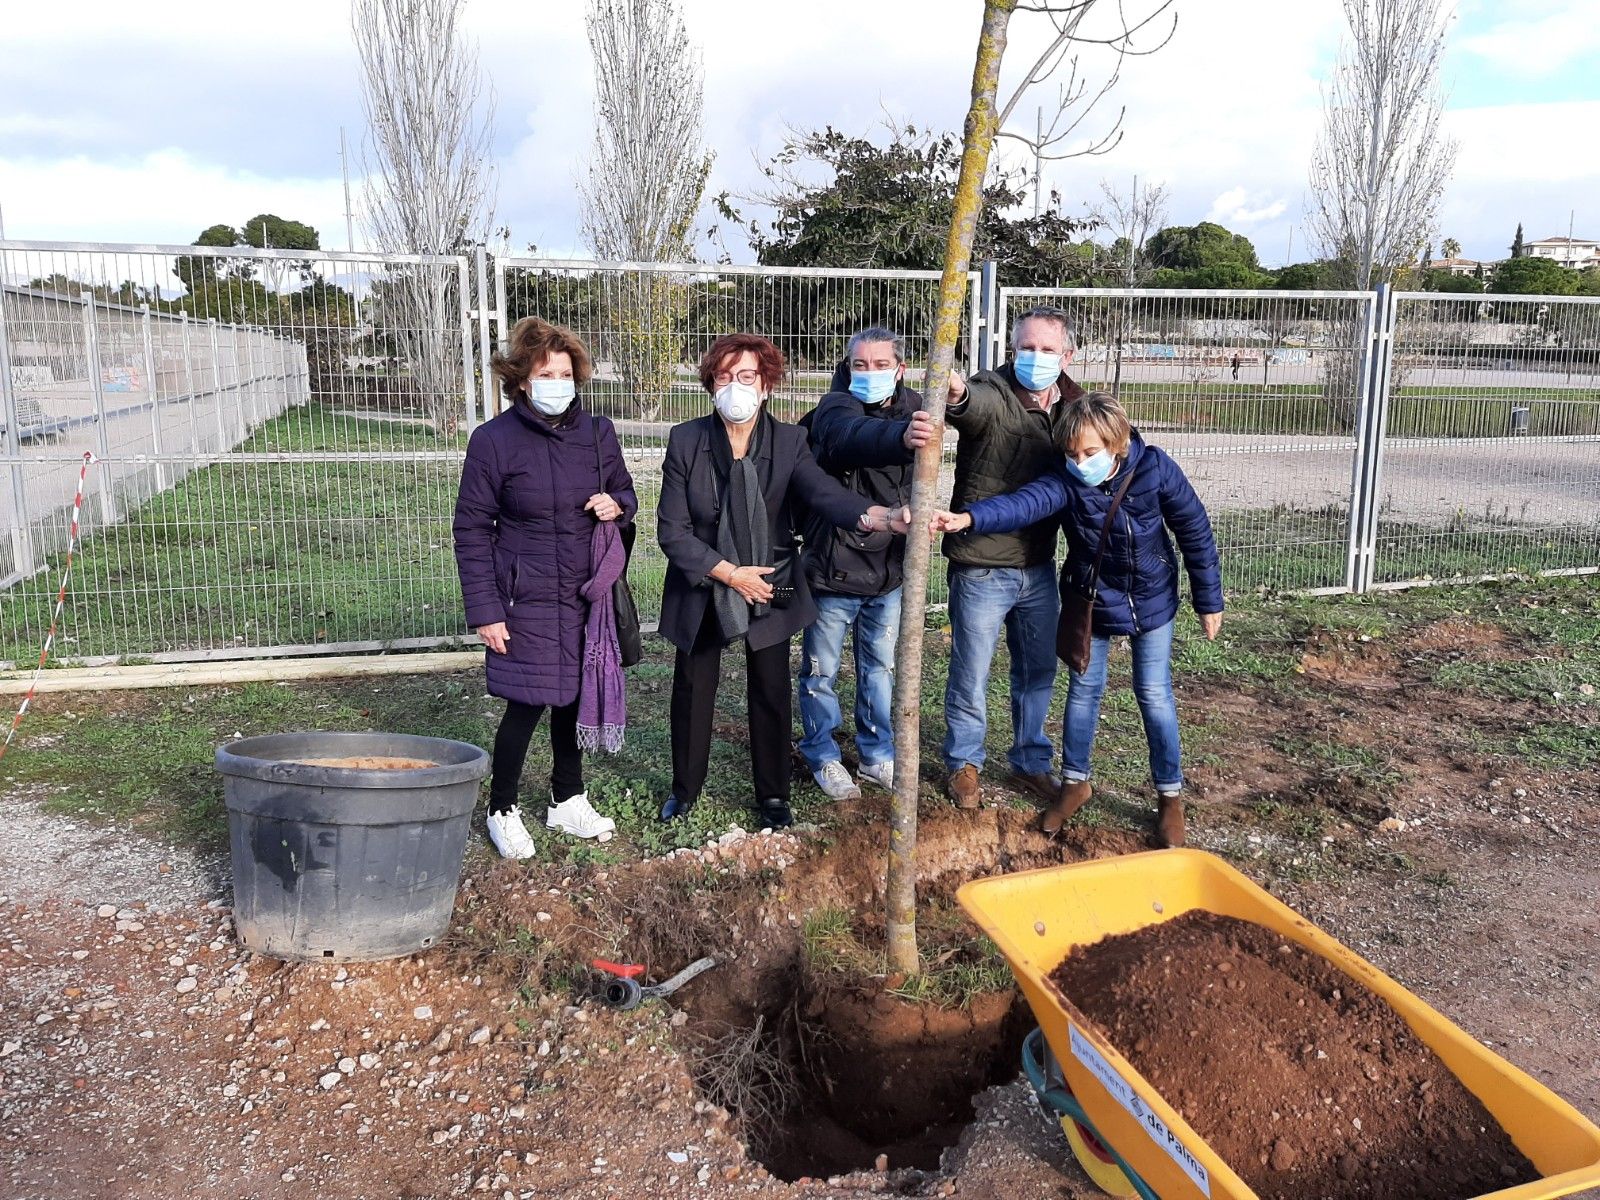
point(1006, 580)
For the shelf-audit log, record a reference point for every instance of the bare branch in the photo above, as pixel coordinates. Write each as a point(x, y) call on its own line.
point(430, 182)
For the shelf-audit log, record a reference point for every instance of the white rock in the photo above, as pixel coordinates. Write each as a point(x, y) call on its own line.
point(188, 984)
point(368, 1061)
point(9, 1048)
point(106, 911)
point(330, 1080)
point(479, 1036)
point(79, 955)
point(677, 1156)
point(423, 1012)
point(347, 1065)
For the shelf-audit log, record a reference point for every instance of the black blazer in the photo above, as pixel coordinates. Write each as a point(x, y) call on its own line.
point(689, 509)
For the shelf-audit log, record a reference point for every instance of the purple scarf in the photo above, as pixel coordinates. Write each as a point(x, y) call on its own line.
point(602, 705)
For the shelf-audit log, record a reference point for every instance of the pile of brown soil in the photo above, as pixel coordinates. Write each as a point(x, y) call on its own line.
point(1304, 1081)
point(370, 762)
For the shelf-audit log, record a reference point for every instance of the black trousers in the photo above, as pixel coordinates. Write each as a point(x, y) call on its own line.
point(511, 751)
point(770, 698)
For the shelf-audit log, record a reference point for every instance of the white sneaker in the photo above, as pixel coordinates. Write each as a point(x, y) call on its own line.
point(881, 774)
point(509, 835)
point(576, 816)
point(835, 782)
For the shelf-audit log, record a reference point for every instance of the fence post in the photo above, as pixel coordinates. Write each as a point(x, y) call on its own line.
point(223, 445)
point(491, 388)
point(91, 354)
point(484, 374)
point(153, 391)
point(992, 319)
point(1372, 419)
point(469, 385)
point(21, 533)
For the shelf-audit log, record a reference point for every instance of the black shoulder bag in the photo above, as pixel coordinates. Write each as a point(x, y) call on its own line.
point(630, 642)
point(1075, 630)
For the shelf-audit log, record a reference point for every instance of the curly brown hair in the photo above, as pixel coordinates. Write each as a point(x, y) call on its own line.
point(728, 347)
point(532, 341)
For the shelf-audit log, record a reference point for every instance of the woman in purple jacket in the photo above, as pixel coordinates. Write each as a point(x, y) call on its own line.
point(537, 479)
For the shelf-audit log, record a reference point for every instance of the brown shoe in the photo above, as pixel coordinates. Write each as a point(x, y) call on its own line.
point(1043, 785)
point(964, 789)
point(1169, 821)
point(1074, 795)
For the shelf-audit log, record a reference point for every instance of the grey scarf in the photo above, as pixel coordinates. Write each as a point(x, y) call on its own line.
point(743, 534)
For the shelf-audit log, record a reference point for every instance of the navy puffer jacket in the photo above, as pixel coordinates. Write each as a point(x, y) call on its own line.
point(1138, 587)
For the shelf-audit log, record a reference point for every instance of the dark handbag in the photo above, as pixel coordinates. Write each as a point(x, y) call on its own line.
point(630, 639)
point(1075, 629)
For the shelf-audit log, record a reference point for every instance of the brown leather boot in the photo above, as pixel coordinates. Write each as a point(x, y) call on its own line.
point(964, 789)
point(1169, 821)
point(1073, 796)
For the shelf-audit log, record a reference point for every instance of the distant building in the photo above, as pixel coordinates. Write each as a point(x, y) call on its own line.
point(1461, 266)
point(1569, 252)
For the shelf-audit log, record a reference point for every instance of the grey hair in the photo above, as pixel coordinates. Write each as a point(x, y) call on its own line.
point(877, 333)
point(1045, 312)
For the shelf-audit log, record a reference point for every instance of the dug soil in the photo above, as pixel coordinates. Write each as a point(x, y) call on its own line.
point(370, 762)
point(1304, 1081)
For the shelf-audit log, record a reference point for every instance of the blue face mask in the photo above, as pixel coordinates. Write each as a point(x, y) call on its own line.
point(872, 387)
point(551, 396)
point(1036, 369)
point(1095, 469)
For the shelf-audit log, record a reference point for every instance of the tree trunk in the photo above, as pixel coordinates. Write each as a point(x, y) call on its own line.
point(979, 141)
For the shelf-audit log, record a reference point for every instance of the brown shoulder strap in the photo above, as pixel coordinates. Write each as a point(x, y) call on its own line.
point(1105, 531)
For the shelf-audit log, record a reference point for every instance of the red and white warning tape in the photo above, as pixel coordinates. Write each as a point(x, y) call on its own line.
point(61, 598)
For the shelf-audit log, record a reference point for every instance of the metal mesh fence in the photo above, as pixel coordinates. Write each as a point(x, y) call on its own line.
point(646, 326)
point(1257, 395)
point(1490, 460)
point(281, 432)
point(280, 435)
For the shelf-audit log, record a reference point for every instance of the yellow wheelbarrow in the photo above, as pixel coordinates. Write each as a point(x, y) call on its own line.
point(1130, 1140)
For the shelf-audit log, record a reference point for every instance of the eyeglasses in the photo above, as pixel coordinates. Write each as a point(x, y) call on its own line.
point(748, 378)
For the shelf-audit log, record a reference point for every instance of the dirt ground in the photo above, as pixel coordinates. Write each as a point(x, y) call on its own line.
point(143, 1053)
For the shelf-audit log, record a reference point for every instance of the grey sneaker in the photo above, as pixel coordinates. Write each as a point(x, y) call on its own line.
point(835, 782)
point(881, 774)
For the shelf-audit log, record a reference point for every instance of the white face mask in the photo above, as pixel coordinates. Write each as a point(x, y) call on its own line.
point(551, 396)
point(737, 402)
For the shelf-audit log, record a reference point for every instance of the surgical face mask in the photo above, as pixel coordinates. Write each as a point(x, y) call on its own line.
point(872, 387)
point(1036, 369)
point(551, 396)
point(1095, 469)
point(737, 402)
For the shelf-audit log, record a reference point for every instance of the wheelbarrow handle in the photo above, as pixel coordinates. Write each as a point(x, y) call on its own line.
point(1065, 1103)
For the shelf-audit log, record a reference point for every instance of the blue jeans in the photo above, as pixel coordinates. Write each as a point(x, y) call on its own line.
point(1027, 603)
point(1152, 687)
point(876, 622)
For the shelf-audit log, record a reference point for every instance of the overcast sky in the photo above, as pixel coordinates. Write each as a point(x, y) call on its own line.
point(147, 122)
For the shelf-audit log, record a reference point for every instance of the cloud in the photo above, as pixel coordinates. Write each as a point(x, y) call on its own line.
point(165, 197)
point(1566, 34)
point(1231, 209)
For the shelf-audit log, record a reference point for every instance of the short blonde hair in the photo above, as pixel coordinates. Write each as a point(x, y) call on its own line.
point(1100, 412)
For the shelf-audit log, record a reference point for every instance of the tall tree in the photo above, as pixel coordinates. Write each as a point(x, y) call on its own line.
point(1516, 242)
point(982, 124)
point(429, 183)
point(646, 178)
point(1131, 219)
point(1382, 161)
point(1449, 248)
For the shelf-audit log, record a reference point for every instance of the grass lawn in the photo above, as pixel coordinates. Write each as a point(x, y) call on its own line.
point(145, 759)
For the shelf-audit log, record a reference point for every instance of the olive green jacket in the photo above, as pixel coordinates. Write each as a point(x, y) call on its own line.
point(1004, 443)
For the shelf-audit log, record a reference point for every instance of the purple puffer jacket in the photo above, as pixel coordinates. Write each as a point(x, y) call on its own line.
point(522, 542)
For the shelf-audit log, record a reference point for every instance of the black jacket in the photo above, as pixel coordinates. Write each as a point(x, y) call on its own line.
point(863, 447)
point(689, 509)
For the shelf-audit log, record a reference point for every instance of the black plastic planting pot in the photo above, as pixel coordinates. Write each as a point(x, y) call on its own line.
point(337, 864)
